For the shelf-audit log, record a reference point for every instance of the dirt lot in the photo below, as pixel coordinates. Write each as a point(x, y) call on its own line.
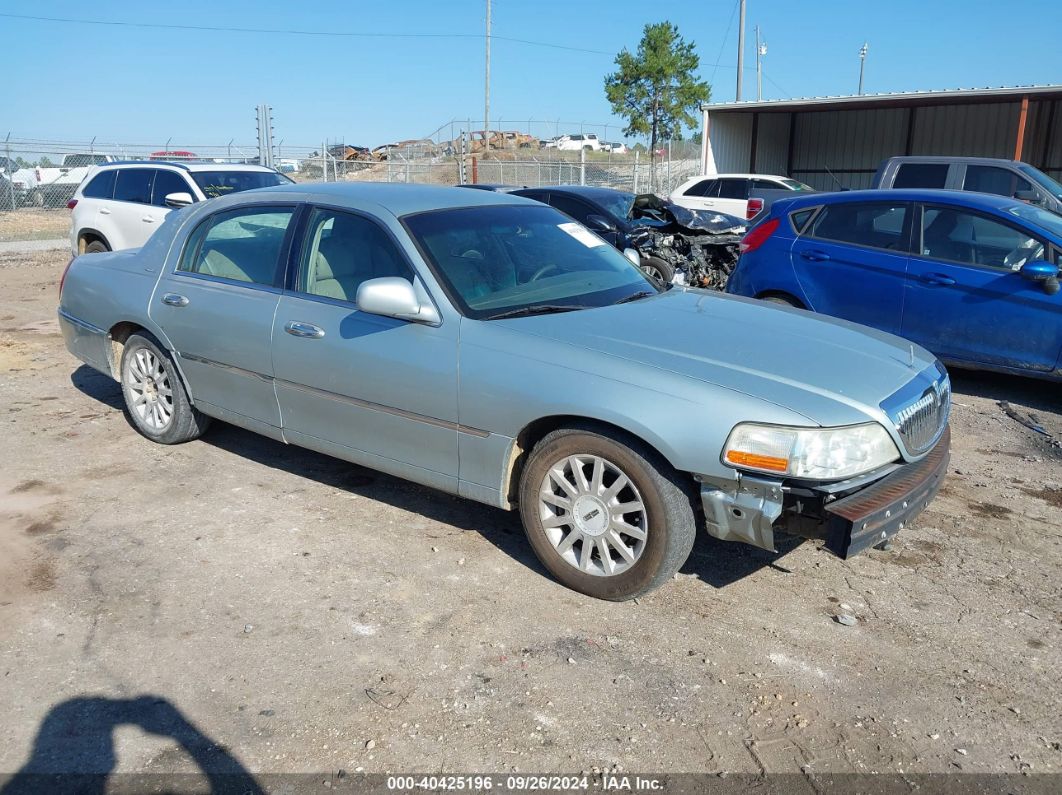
point(287, 612)
point(29, 223)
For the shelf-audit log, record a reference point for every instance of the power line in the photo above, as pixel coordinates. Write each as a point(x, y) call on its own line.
point(297, 32)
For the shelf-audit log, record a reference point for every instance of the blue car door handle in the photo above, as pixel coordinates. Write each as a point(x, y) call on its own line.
point(937, 279)
point(299, 329)
point(815, 256)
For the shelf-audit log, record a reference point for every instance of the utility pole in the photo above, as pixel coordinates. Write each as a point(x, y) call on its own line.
point(486, 91)
point(741, 49)
point(862, 63)
point(761, 50)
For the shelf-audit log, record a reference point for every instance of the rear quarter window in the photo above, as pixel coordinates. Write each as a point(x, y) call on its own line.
point(800, 218)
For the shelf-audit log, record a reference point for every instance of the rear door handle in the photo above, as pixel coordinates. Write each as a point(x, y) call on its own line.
point(815, 256)
point(172, 299)
point(937, 279)
point(104, 211)
point(299, 329)
point(147, 219)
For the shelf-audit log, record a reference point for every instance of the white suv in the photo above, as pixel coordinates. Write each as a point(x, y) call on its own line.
point(573, 143)
point(119, 205)
point(730, 193)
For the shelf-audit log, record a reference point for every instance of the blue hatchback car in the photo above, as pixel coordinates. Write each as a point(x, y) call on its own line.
point(971, 277)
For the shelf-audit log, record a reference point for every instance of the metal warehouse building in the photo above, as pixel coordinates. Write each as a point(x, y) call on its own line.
point(832, 142)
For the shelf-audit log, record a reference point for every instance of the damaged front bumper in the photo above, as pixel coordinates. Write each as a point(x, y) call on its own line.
point(849, 516)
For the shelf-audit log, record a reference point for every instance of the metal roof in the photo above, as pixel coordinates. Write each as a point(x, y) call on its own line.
point(895, 99)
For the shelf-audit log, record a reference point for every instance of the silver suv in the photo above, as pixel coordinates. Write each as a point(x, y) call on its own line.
point(119, 205)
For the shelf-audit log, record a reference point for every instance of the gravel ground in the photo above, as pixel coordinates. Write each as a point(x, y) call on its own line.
point(292, 613)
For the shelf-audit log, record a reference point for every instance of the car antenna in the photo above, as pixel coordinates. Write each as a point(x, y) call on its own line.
point(839, 185)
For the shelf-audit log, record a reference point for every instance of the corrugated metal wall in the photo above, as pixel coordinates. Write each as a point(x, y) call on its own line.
point(843, 148)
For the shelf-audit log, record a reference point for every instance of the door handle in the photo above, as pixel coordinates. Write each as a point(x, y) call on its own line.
point(938, 279)
point(815, 256)
point(298, 329)
point(104, 211)
point(172, 299)
point(147, 219)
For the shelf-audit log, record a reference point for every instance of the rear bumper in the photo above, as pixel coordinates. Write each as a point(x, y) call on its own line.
point(849, 519)
point(88, 343)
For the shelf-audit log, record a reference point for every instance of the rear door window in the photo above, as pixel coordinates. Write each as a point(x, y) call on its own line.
point(134, 185)
point(733, 189)
point(993, 179)
point(167, 182)
point(101, 186)
point(871, 224)
point(240, 245)
point(921, 175)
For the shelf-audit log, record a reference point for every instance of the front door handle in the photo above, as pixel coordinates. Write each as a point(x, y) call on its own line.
point(147, 219)
point(937, 279)
point(815, 256)
point(298, 329)
point(172, 299)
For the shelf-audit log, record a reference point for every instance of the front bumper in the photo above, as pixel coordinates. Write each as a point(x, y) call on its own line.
point(848, 516)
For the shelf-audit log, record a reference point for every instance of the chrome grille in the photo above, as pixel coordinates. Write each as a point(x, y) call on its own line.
point(921, 422)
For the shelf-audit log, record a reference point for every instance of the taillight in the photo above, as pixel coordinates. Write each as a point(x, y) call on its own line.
point(70, 205)
point(755, 205)
point(758, 235)
point(62, 278)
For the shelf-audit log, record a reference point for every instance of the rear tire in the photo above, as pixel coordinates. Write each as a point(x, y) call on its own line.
point(155, 399)
point(96, 247)
point(594, 474)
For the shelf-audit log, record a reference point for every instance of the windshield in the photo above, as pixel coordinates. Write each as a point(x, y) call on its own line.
point(222, 183)
point(618, 204)
point(793, 184)
point(496, 259)
point(1045, 219)
point(1044, 181)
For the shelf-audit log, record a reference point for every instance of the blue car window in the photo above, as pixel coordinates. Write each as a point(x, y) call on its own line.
point(954, 235)
point(872, 224)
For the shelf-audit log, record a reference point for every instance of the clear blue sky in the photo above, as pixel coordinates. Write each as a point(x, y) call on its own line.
point(139, 85)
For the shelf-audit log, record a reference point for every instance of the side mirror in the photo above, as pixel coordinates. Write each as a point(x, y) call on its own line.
point(1038, 270)
point(1030, 196)
point(634, 257)
point(600, 223)
point(176, 200)
point(393, 296)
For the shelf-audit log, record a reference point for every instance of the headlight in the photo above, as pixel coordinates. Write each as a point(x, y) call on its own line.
point(812, 453)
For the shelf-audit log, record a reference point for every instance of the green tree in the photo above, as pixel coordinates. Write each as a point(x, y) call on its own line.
point(45, 162)
point(656, 88)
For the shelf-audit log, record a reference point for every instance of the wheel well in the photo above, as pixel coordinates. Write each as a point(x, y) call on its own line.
point(119, 333)
point(537, 430)
point(86, 236)
point(788, 297)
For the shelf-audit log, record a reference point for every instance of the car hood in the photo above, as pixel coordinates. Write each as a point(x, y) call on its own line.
point(830, 371)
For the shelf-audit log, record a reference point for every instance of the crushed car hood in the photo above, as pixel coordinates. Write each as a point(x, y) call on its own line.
point(828, 370)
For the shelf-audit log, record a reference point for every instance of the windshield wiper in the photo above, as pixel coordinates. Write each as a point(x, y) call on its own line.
point(634, 297)
point(540, 309)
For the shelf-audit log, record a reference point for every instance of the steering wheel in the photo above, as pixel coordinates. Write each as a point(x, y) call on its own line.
point(542, 272)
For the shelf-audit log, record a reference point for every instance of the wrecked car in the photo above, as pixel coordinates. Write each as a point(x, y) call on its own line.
point(671, 243)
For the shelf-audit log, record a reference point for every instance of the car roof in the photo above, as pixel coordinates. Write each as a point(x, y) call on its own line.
point(956, 198)
point(586, 191)
point(996, 161)
point(395, 197)
point(186, 165)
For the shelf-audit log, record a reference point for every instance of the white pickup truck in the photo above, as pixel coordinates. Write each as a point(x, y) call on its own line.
point(54, 186)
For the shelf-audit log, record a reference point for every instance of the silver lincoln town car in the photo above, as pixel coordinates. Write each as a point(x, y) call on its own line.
point(489, 346)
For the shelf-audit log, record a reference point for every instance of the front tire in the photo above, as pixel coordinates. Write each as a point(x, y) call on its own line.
point(659, 269)
point(606, 515)
point(155, 399)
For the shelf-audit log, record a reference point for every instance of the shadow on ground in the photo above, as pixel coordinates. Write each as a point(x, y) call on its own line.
point(717, 563)
point(74, 750)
